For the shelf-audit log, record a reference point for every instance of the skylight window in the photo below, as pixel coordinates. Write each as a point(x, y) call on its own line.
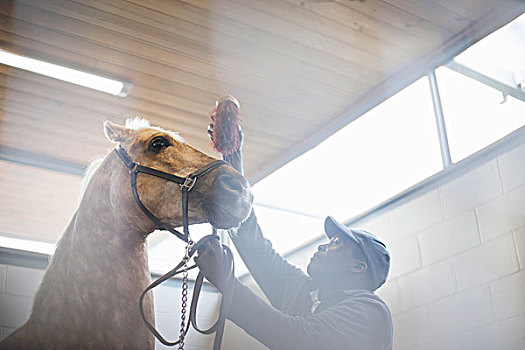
point(501, 55)
point(476, 115)
point(484, 97)
point(69, 75)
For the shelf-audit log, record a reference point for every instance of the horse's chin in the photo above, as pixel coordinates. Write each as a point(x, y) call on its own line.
point(224, 224)
point(223, 219)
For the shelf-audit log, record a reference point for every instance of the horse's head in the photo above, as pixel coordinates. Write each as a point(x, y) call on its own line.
point(221, 197)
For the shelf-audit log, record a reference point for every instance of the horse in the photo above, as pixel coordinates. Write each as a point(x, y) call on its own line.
point(88, 298)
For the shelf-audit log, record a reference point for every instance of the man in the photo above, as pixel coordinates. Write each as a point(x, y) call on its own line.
point(333, 307)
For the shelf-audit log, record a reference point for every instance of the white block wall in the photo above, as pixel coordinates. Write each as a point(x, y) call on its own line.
point(18, 286)
point(458, 254)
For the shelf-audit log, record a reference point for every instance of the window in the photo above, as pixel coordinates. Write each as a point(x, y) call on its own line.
point(385, 151)
point(475, 114)
point(480, 112)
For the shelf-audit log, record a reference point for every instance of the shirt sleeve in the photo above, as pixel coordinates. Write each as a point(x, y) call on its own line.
point(356, 323)
point(282, 283)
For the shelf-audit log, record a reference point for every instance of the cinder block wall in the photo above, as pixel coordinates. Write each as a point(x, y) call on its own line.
point(18, 286)
point(458, 261)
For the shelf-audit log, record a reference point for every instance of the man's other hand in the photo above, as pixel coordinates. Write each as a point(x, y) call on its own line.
point(213, 263)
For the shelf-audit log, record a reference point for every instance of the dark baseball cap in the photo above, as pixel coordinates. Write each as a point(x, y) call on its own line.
point(375, 252)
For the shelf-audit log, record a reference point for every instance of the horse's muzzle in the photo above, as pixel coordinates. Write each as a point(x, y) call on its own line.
point(232, 200)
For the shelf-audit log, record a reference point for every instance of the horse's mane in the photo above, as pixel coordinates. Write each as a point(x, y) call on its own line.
point(135, 123)
point(88, 174)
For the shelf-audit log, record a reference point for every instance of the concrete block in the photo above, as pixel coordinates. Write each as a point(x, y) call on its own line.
point(449, 238)
point(426, 285)
point(389, 292)
point(416, 215)
point(23, 280)
point(508, 295)
point(167, 299)
point(412, 328)
point(502, 214)
point(461, 312)
point(504, 335)
point(512, 168)
point(489, 261)
point(519, 237)
point(470, 190)
point(404, 256)
point(14, 310)
point(168, 302)
point(3, 274)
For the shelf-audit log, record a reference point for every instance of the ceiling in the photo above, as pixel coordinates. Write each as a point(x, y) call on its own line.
point(301, 69)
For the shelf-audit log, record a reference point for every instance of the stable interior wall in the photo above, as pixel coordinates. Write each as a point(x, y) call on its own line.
point(458, 261)
point(457, 277)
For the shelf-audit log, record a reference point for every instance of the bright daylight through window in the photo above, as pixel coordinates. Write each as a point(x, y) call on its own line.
point(478, 114)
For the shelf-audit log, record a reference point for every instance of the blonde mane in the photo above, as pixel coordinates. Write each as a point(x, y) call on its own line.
point(88, 175)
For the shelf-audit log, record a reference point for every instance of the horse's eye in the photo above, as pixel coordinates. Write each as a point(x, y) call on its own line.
point(159, 143)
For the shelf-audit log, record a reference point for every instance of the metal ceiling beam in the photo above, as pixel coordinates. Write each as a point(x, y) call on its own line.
point(29, 158)
point(440, 120)
point(507, 90)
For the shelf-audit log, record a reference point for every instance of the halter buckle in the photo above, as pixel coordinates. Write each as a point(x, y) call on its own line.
point(188, 184)
point(134, 167)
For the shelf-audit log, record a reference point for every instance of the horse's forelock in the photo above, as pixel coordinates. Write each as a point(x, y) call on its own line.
point(138, 123)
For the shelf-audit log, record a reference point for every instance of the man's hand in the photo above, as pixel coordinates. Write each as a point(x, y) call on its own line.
point(213, 264)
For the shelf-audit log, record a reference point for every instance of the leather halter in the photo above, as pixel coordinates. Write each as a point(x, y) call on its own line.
point(186, 184)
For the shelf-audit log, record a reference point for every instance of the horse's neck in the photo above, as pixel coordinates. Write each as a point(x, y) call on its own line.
point(100, 254)
point(103, 233)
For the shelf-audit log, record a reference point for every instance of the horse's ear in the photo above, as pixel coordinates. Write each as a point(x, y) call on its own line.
point(115, 133)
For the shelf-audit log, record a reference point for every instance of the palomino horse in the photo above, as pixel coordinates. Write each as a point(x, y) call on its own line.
point(89, 295)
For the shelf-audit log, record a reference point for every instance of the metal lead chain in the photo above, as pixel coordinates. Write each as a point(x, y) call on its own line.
point(182, 334)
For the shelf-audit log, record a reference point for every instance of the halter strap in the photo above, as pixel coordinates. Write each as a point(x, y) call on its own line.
point(186, 184)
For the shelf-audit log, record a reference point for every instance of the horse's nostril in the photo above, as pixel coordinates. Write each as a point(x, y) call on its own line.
point(231, 183)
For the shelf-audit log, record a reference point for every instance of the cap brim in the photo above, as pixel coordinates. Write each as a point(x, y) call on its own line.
point(332, 227)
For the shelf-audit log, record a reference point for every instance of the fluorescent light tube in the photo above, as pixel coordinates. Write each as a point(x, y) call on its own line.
point(27, 245)
point(89, 80)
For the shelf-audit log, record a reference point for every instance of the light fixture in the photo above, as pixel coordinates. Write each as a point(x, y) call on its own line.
point(74, 76)
point(27, 245)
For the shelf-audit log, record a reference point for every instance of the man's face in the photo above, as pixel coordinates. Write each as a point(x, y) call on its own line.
point(335, 259)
